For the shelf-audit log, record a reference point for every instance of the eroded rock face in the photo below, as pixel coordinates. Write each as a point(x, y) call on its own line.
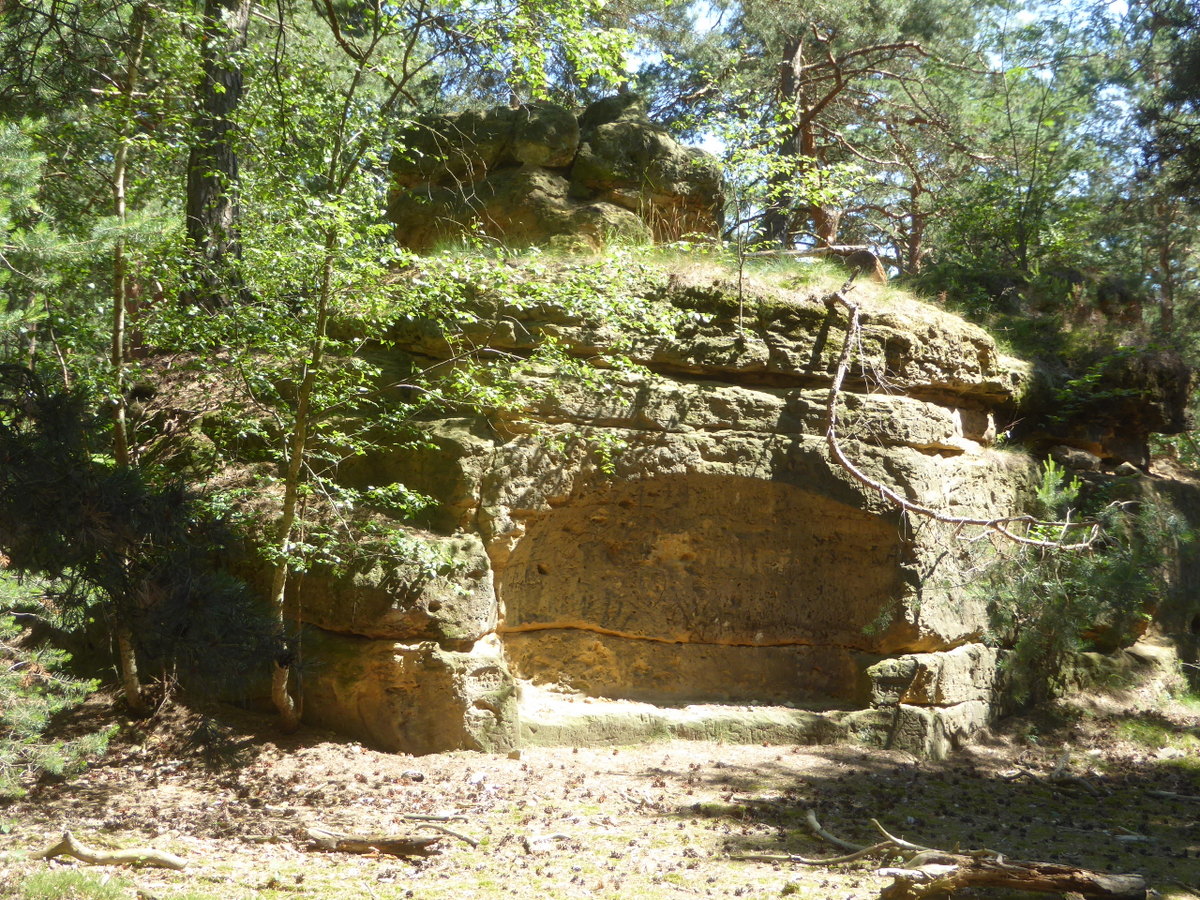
point(681, 535)
point(1105, 415)
point(537, 174)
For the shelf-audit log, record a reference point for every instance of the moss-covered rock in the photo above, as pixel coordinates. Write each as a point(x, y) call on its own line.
point(523, 177)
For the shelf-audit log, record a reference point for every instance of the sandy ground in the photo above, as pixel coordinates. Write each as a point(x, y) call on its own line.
point(235, 798)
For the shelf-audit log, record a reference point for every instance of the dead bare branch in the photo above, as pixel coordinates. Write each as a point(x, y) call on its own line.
point(1002, 526)
point(444, 830)
point(384, 844)
point(810, 819)
point(139, 856)
point(928, 872)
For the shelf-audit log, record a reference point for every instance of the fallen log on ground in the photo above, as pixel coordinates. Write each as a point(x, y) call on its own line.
point(937, 874)
point(333, 841)
point(928, 872)
point(140, 856)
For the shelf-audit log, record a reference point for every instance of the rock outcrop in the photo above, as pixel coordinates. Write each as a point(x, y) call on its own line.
point(1104, 415)
point(680, 537)
point(538, 174)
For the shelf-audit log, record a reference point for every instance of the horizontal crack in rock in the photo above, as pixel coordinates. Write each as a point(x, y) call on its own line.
point(531, 627)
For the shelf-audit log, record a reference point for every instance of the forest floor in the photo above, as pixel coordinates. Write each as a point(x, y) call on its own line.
point(234, 798)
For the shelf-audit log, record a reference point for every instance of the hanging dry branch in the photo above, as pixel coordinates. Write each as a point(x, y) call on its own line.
point(1002, 526)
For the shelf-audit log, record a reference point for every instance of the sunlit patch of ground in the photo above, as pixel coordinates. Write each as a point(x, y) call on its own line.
point(658, 820)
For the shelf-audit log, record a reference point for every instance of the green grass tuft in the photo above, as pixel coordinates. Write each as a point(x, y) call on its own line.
point(73, 885)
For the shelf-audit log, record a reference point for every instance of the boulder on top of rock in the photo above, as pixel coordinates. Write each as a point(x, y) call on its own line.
point(452, 149)
point(522, 176)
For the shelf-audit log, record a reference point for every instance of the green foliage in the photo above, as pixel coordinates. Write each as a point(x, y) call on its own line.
point(1084, 391)
point(33, 688)
point(1047, 604)
point(115, 547)
point(1056, 495)
point(1172, 111)
point(73, 884)
point(373, 399)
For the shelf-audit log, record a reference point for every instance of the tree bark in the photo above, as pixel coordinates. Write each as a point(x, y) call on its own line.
point(777, 220)
point(212, 174)
point(800, 146)
point(288, 707)
point(126, 655)
point(937, 874)
point(133, 65)
point(375, 843)
point(142, 856)
point(131, 684)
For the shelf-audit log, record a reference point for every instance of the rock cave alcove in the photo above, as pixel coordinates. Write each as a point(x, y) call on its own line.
point(700, 588)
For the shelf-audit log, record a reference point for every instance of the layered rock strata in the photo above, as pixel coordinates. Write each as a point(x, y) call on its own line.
point(679, 538)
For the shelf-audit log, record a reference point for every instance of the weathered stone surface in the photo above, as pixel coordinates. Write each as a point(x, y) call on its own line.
point(402, 600)
point(554, 719)
point(966, 673)
point(659, 404)
point(643, 169)
point(932, 733)
point(1075, 459)
point(527, 204)
point(681, 535)
point(605, 665)
point(447, 464)
point(454, 149)
point(787, 339)
point(1111, 410)
point(704, 559)
point(416, 698)
point(522, 176)
point(545, 135)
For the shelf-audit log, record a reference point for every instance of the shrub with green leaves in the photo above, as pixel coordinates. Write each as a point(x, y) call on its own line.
point(33, 688)
point(1048, 604)
point(114, 546)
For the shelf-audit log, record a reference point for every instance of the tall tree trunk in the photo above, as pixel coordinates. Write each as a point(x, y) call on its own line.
point(126, 657)
point(914, 251)
point(131, 684)
point(778, 218)
point(212, 172)
point(799, 145)
point(1164, 214)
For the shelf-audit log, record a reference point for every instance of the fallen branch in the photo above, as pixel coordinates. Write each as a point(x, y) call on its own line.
point(855, 851)
point(1171, 795)
point(928, 872)
point(534, 845)
point(332, 841)
point(444, 830)
point(810, 819)
point(947, 873)
point(1002, 526)
point(141, 856)
point(1061, 776)
point(880, 848)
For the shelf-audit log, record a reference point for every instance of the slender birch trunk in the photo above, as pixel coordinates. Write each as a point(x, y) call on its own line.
point(290, 708)
point(126, 656)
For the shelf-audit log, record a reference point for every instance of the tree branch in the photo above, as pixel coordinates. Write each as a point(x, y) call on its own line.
point(1002, 526)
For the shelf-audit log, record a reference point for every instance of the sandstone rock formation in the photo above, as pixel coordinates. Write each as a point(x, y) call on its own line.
point(681, 538)
point(538, 174)
point(1104, 415)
